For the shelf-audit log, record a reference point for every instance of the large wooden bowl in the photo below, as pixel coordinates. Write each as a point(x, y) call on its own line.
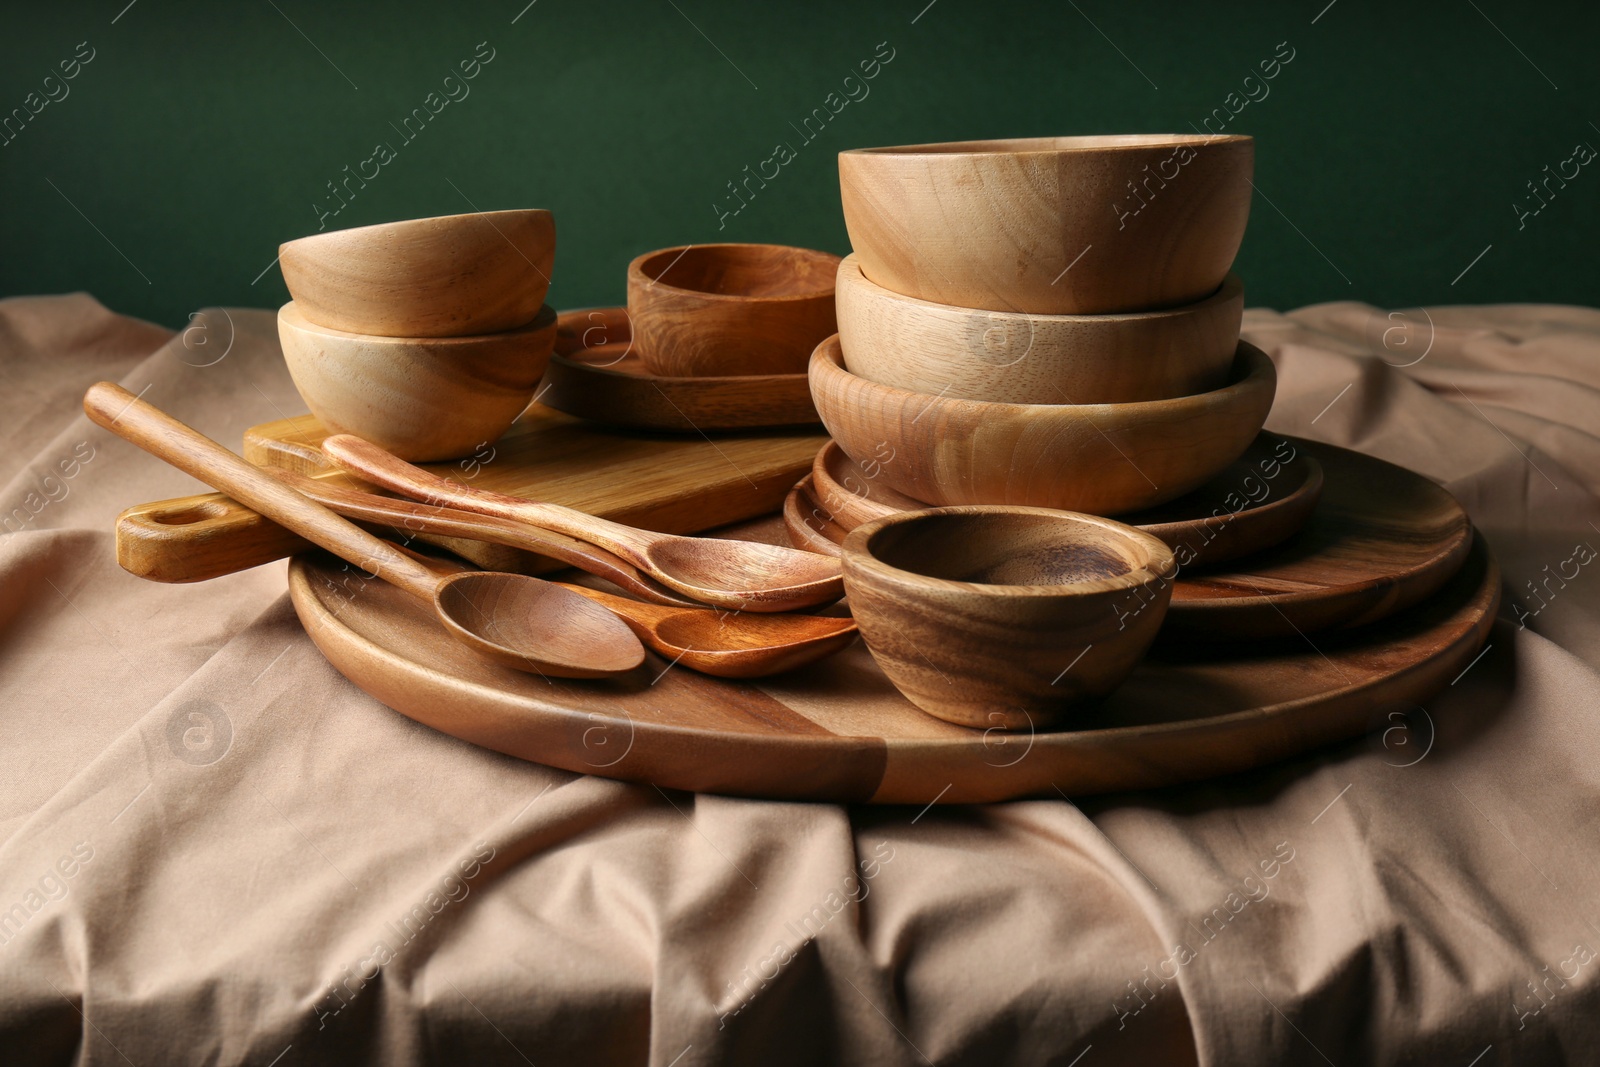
point(422, 398)
point(1006, 617)
point(730, 309)
point(1015, 357)
point(452, 276)
point(1100, 458)
point(1051, 225)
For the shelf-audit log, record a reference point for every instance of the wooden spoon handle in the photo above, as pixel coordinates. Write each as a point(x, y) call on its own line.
point(454, 522)
point(158, 433)
point(375, 464)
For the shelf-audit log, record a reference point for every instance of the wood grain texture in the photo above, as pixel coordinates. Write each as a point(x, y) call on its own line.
point(1051, 225)
point(808, 523)
point(660, 482)
point(428, 398)
point(597, 374)
point(1005, 617)
point(723, 309)
point(1261, 499)
point(1103, 459)
point(838, 731)
point(449, 276)
point(1013, 357)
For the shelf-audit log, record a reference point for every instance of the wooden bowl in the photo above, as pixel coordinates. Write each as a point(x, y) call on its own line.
point(1002, 616)
point(1014, 357)
point(422, 398)
point(1099, 458)
point(452, 276)
point(730, 309)
point(1051, 225)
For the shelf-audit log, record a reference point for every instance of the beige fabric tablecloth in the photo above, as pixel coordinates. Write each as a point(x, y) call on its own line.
point(213, 849)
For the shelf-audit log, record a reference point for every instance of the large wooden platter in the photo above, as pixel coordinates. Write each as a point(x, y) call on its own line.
point(657, 481)
point(837, 731)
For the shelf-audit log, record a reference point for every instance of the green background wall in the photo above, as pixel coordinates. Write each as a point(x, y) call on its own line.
point(1390, 151)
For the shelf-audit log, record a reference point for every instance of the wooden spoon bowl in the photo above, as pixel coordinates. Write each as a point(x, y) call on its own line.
point(1015, 357)
point(1051, 225)
point(1099, 458)
point(422, 398)
point(730, 309)
point(451, 276)
point(1002, 616)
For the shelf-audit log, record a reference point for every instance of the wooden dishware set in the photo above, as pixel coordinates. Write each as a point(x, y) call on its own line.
point(1076, 559)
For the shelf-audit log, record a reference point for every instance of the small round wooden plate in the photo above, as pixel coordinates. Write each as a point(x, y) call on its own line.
point(595, 375)
point(1260, 500)
point(838, 731)
point(808, 524)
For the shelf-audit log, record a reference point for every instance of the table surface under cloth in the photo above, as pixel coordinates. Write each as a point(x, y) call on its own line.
point(331, 882)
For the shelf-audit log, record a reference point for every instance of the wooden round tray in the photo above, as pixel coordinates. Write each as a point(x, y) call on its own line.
point(1381, 539)
point(595, 374)
point(837, 731)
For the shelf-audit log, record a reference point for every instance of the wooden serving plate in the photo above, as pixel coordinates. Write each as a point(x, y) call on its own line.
point(659, 482)
point(837, 731)
point(1381, 539)
point(595, 374)
point(1261, 499)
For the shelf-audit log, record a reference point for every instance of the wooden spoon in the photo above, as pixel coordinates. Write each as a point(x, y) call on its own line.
point(451, 522)
point(512, 619)
point(742, 575)
point(729, 644)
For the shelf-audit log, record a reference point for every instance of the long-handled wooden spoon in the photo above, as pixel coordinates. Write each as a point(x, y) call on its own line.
point(453, 522)
point(512, 619)
point(729, 644)
point(742, 575)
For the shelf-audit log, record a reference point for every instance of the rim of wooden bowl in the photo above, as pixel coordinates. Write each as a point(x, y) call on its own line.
point(289, 314)
point(1076, 143)
point(401, 225)
point(637, 276)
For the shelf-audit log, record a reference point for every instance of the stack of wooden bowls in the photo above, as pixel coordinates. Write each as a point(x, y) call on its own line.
point(1048, 322)
point(426, 336)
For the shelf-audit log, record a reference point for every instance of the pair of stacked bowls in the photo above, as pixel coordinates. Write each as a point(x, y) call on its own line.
point(427, 336)
point(1048, 322)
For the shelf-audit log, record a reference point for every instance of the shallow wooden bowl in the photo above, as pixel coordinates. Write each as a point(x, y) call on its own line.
point(730, 309)
point(1006, 617)
point(422, 398)
point(451, 276)
point(1014, 357)
point(1051, 225)
point(1100, 458)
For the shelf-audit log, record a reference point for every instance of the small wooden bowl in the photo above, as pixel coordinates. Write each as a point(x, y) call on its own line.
point(1100, 458)
point(1006, 617)
point(452, 276)
point(422, 398)
point(1051, 225)
point(596, 374)
point(733, 309)
point(1014, 357)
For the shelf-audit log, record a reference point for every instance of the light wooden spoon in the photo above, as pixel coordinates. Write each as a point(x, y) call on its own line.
point(729, 644)
point(742, 575)
point(512, 619)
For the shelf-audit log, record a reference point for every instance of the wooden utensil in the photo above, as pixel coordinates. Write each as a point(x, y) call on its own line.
point(512, 619)
point(729, 644)
point(1103, 459)
point(1261, 499)
point(672, 484)
point(732, 574)
point(1051, 225)
point(837, 731)
point(597, 374)
point(1015, 357)
point(726, 309)
point(809, 526)
point(425, 398)
point(1002, 616)
point(450, 276)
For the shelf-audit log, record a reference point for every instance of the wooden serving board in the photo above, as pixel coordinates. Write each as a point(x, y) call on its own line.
point(837, 731)
point(666, 482)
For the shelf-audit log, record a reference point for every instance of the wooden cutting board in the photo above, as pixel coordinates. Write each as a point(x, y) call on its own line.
point(668, 482)
point(837, 731)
